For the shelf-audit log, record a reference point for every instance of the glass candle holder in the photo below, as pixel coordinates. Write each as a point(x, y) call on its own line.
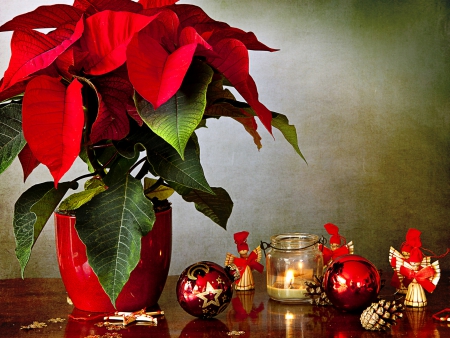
point(292, 259)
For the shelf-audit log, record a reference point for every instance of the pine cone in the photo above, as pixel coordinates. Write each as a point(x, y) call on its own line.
point(314, 290)
point(381, 316)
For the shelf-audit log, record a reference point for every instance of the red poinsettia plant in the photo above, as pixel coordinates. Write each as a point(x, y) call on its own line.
point(123, 85)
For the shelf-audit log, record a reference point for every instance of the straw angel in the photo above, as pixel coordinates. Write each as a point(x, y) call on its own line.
point(412, 241)
point(246, 262)
point(338, 245)
point(422, 278)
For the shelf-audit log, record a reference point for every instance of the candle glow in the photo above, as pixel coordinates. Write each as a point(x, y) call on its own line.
point(289, 279)
point(288, 287)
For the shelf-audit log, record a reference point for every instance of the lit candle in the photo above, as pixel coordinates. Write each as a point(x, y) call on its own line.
point(296, 292)
point(287, 288)
point(289, 279)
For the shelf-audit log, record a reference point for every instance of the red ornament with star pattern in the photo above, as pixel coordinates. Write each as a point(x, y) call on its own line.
point(204, 289)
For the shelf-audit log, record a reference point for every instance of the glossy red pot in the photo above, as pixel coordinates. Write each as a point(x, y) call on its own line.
point(146, 282)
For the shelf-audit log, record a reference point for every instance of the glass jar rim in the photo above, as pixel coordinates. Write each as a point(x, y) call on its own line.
point(294, 236)
point(294, 240)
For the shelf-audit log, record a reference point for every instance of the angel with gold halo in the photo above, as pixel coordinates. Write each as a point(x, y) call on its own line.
point(338, 245)
point(245, 262)
point(422, 278)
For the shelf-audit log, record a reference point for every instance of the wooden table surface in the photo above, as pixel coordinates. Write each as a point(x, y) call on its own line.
point(25, 301)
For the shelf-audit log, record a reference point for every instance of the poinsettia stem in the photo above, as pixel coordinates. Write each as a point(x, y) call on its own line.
point(15, 99)
point(90, 104)
point(109, 161)
point(65, 82)
point(106, 145)
point(98, 168)
point(82, 177)
point(235, 103)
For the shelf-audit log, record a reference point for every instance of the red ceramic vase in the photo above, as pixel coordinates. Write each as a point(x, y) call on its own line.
point(146, 282)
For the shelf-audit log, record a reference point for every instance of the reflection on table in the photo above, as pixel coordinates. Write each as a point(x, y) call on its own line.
point(249, 314)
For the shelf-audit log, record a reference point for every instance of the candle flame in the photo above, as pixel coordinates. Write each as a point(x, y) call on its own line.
point(289, 279)
point(289, 315)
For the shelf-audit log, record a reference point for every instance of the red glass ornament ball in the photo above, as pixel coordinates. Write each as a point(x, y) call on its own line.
point(204, 289)
point(351, 283)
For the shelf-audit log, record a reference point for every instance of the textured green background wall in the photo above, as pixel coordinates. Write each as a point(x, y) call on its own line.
point(366, 83)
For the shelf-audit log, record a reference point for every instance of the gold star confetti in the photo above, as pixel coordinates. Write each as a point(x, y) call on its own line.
point(110, 326)
point(56, 320)
point(34, 325)
point(106, 335)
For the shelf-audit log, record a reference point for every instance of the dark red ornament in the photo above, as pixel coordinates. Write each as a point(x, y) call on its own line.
point(351, 283)
point(205, 289)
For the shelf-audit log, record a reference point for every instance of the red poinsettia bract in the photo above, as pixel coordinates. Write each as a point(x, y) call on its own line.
point(53, 121)
point(90, 46)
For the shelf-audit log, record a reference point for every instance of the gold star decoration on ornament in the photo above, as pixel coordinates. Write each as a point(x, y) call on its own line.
point(205, 296)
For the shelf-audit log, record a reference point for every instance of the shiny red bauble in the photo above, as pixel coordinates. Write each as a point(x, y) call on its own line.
point(204, 289)
point(351, 283)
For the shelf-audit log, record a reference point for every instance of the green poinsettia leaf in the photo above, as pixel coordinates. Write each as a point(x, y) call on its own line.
point(11, 137)
point(161, 192)
point(289, 132)
point(176, 120)
point(126, 147)
point(76, 200)
point(217, 92)
point(104, 155)
point(193, 142)
point(92, 188)
point(120, 167)
point(31, 212)
point(168, 164)
point(179, 188)
point(202, 124)
point(111, 226)
point(231, 108)
point(217, 207)
point(225, 109)
point(165, 161)
point(93, 183)
point(243, 115)
point(84, 157)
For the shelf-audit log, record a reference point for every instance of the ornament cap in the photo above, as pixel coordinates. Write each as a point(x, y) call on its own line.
point(232, 272)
